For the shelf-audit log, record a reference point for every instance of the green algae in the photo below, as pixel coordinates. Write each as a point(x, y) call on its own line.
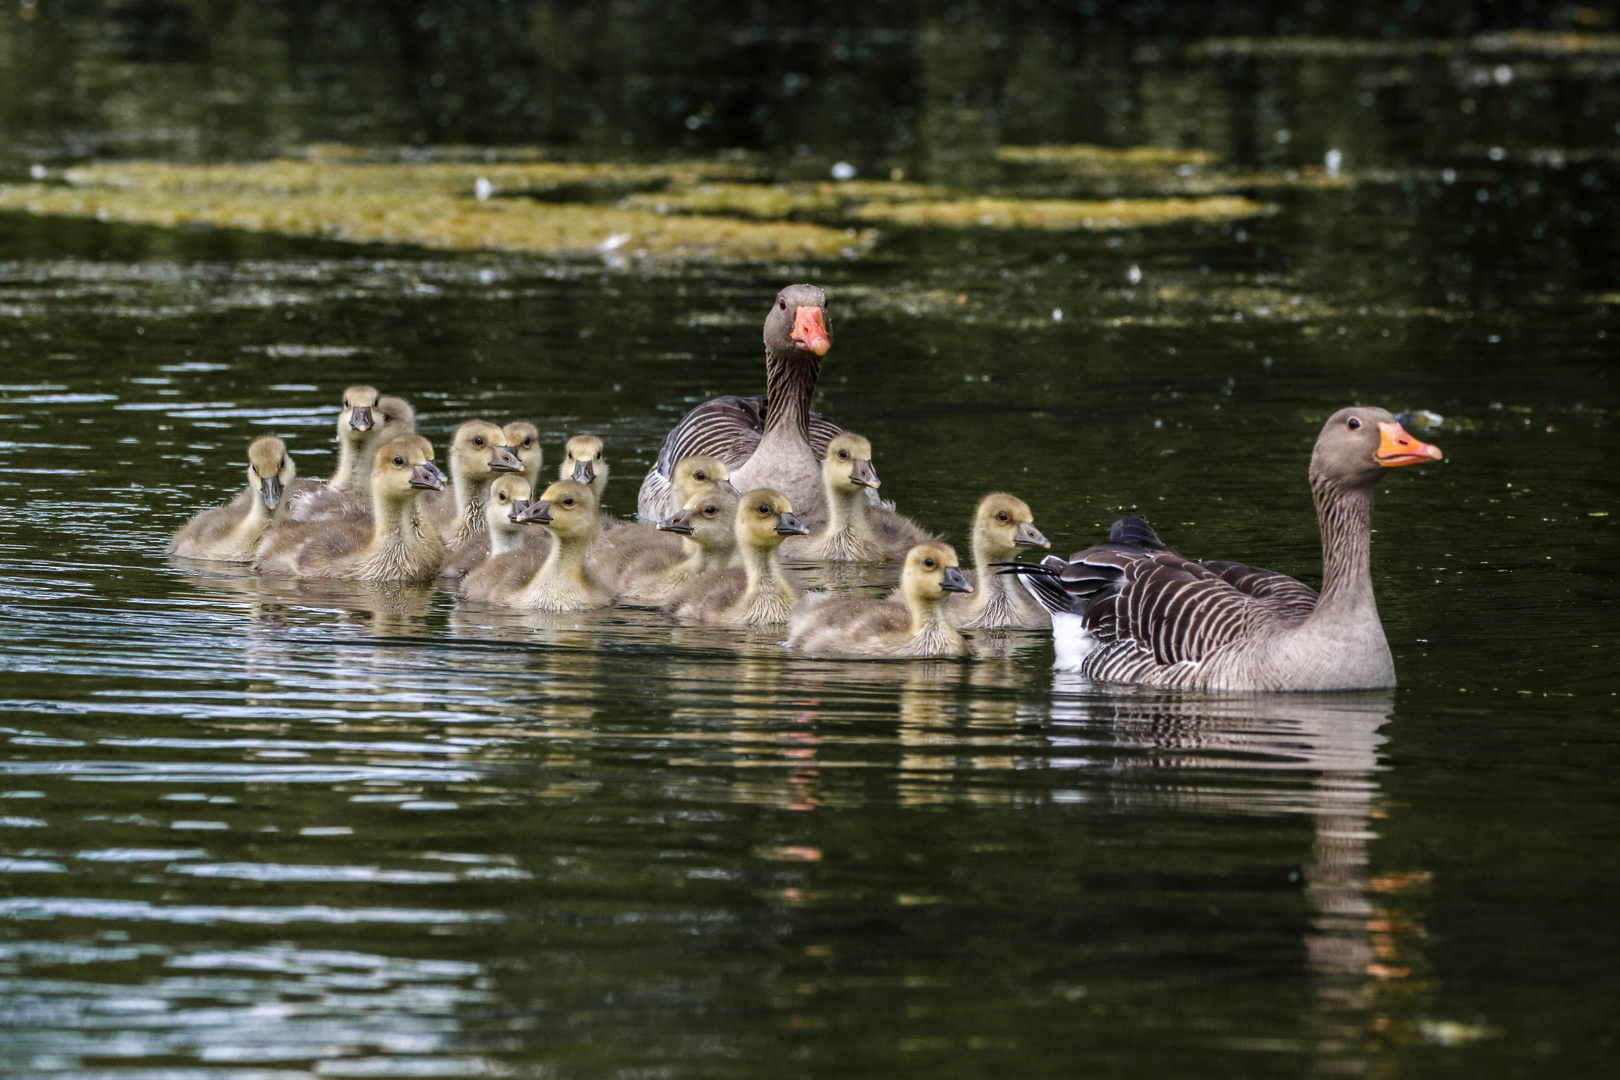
point(766, 201)
point(1058, 214)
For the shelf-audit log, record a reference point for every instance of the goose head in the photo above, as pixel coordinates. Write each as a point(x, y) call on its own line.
point(931, 573)
point(358, 416)
point(478, 452)
point(708, 518)
point(567, 510)
point(764, 519)
point(394, 417)
point(1003, 525)
point(404, 466)
point(847, 466)
point(583, 463)
point(1357, 445)
point(798, 325)
point(508, 497)
point(270, 470)
point(524, 440)
point(694, 473)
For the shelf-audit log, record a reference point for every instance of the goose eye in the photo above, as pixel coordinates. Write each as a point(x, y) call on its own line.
point(929, 563)
point(1353, 423)
point(781, 302)
point(399, 461)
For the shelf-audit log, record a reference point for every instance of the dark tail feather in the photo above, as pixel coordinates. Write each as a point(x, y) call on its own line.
point(1045, 586)
point(1137, 532)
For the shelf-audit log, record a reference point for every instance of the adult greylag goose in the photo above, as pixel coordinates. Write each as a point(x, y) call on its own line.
point(876, 629)
point(397, 544)
point(772, 440)
point(231, 533)
point(1002, 528)
point(362, 428)
point(478, 454)
point(855, 531)
point(705, 529)
point(514, 557)
point(755, 593)
point(566, 580)
point(524, 440)
point(1133, 611)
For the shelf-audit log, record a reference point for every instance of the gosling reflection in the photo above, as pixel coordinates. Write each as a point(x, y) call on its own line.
point(381, 609)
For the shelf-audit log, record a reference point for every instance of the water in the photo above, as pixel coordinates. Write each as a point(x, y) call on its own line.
point(262, 829)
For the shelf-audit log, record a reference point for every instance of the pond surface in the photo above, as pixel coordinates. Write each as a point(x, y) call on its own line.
point(256, 829)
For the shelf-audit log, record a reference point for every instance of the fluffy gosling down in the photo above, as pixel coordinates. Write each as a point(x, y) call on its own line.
point(514, 559)
point(231, 533)
point(365, 422)
point(756, 593)
point(398, 543)
point(1003, 527)
point(478, 454)
point(566, 581)
point(884, 629)
point(856, 530)
point(705, 528)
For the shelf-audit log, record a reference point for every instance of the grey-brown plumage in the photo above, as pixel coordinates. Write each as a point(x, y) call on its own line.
point(1131, 610)
point(231, 533)
point(872, 629)
point(516, 551)
point(361, 430)
point(755, 593)
point(705, 529)
point(478, 454)
point(772, 441)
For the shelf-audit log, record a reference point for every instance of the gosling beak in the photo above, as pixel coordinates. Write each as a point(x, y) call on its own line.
point(438, 474)
point(427, 477)
point(863, 474)
point(584, 471)
point(270, 491)
point(726, 485)
point(810, 331)
point(536, 513)
point(678, 522)
point(360, 418)
point(955, 581)
point(518, 506)
point(505, 461)
point(1029, 536)
point(789, 525)
point(1396, 447)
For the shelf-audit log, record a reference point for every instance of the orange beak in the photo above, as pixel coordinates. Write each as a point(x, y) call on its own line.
point(810, 332)
point(1396, 447)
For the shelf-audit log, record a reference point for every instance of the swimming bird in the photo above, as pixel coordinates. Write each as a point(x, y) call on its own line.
point(772, 440)
point(584, 462)
point(514, 558)
point(524, 440)
point(397, 544)
point(873, 629)
point(231, 533)
point(478, 454)
point(856, 531)
point(566, 580)
point(705, 529)
point(755, 593)
point(348, 493)
point(1133, 611)
point(1003, 526)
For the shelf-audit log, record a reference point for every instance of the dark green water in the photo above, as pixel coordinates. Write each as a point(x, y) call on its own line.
point(251, 829)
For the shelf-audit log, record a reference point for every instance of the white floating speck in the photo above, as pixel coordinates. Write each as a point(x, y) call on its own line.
point(483, 188)
point(843, 171)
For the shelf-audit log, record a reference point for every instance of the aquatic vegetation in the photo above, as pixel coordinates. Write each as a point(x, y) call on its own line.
point(1087, 157)
point(782, 200)
point(1063, 213)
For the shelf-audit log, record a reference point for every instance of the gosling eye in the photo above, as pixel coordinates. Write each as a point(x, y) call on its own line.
point(700, 475)
point(529, 441)
point(1353, 423)
point(568, 502)
point(399, 460)
point(710, 511)
point(929, 563)
point(479, 441)
point(501, 496)
point(781, 302)
point(764, 511)
point(1002, 516)
point(843, 453)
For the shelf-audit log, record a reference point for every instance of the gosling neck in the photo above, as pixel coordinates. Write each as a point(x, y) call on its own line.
point(564, 568)
point(350, 476)
point(470, 497)
point(846, 511)
point(764, 570)
point(503, 540)
point(927, 614)
point(990, 586)
point(1345, 516)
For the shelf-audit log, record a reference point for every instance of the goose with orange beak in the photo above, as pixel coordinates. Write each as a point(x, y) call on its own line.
point(771, 440)
point(1133, 611)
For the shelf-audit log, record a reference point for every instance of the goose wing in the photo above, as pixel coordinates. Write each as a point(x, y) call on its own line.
point(1289, 598)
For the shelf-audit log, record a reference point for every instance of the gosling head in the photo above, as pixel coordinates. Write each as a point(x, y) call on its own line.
point(508, 497)
point(396, 418)
point(847, 466)
point(693, 473)
point(1357, 445)
point(931, 572)
point(765, 518)
point(357, 417)
point(1003, 525)
point(479, 451)
point(583, 463)
point(524, 439)
point(797, 327)
point(270, 470)
point(567, 509)
point(708, 518)
point(404, 466)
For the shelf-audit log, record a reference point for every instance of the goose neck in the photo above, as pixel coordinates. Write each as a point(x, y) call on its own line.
point(790, 383)
point(1345, 516)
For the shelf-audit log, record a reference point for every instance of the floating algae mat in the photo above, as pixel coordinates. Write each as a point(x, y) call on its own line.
point(702, 210)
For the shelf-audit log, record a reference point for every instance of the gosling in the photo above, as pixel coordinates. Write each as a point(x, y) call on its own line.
point(361, 430)
point(756, 593)
point(478, 454)
point(566, 581)
point(856, 531)
point(513, 560)
point(398, 544)
point(705, 527)
point(232, 532)
point(874, 629)
point(1002, 527)
point(524, 439)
